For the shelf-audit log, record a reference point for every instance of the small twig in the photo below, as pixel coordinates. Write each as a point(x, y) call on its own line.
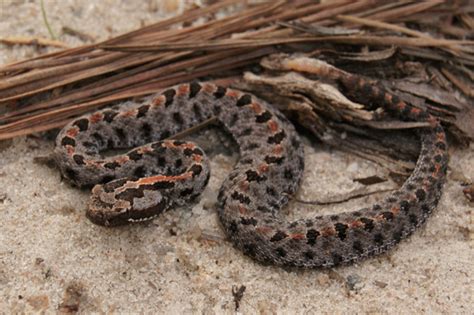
point(193, 129)
point(45, 19)
point(238, 293)
point(355, 194)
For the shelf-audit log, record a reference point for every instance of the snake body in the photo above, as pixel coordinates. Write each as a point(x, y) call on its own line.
point(160, 174)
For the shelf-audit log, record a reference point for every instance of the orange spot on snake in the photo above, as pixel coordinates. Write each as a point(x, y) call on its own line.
point(143, 150)
point(415, 111)
point(160, 178)
point(197, 158)
point(122, 159)
point(72, 132)
point(263, 168)
point(297, 236)
point(277, 150)
point(129, 113)
point(242, 210)
point(257, 108)
point(96, 117)
point(158, 100)
point(328, 231)
point(264, 230)
point(244, 185)
point(209, 88)
point(186, 145)
point(401, 106)
point(183, 90)
point(356, 224)
point(272, 125)
point(395, 210)
point(232, 93)
point(440, 136)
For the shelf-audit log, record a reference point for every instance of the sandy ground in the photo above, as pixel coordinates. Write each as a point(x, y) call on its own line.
point(53, 259)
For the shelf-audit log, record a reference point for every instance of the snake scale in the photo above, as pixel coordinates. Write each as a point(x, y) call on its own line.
point(159, 174)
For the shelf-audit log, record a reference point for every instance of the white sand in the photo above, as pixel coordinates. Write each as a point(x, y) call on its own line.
point(52, 258)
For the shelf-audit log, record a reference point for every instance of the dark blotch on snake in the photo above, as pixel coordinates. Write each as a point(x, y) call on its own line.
point(240, 197)
point(244, 100)
point(271, 191)
point(186, 192)
point(194, 89)
point(82, 124)
point(178, 118)
point(71, 174)
point(249, 249)
point(420, 194)
point(357, 246)
point(139, 172)
point(198, 151)
point(146, 131)
point(336, 258)
point(397, 236)
point(341, 230)
point(388, 215)
point(79, 159)
point(311, 236)
point(197, 111)
point(164, 184)
point(368, 224)
point(111, 165)
point(142, 110)
point(169, 95)
point(413, 219)
point(263, 117)
point(288, 174)
point(378, 239)
point(134, 155)
point(165, 134)
point(278, 236)
point(277, 138)
point(274, 159)
point(246, 132)
point(221, 91)
point(425, 208)
point(281, 252)
point(120, 133)
point(161, 161)
point(251, 146)
point(68, 141)
point(233, 119)
point(253, 176)
point(405, 206)
point(196, 169)
point(248, 221)
point(308, 255)
point(109, 115)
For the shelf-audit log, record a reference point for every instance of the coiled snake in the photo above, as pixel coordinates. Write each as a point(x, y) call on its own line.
point(157, 175)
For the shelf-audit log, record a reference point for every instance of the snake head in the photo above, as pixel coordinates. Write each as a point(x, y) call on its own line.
point(112, 206)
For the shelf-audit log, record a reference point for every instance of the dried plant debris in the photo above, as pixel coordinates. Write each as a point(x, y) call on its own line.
point(421, 51)
point(307, 90)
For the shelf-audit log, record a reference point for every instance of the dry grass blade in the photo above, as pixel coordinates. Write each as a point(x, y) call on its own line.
point(259, 42)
